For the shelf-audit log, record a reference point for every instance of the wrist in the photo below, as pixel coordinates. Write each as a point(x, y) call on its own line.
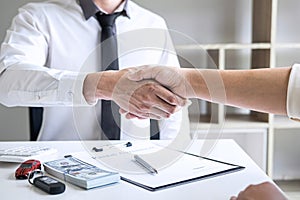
point(192, 83)
point(100, 85)
point(89, 87)
point(106, 84)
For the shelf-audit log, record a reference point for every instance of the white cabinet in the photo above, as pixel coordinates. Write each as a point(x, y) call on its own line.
point(241, 34)
point(252, 141)
point(286, 154)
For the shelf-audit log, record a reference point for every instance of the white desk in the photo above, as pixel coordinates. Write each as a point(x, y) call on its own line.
point(221, 187)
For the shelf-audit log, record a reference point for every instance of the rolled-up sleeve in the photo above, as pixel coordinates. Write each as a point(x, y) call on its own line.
point(293, 94)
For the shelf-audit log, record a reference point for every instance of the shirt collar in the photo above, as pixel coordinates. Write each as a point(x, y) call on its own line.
point(90, 9)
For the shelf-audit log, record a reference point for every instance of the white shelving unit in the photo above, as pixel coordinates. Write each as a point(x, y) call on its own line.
point(243, 128)
point(263, 48)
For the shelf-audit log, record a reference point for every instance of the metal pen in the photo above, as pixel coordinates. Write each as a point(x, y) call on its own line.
point(146, 165)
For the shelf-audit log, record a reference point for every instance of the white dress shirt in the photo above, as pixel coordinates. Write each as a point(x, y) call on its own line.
point(293, 94)
point(52, 45)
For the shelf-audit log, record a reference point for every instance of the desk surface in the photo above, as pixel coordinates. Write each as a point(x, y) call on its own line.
point(221, 187)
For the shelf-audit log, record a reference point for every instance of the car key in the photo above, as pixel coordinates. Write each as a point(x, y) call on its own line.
point(46, 183)
point(49, 185)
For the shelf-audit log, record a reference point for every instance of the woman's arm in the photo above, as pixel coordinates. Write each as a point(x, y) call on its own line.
point(262, 90)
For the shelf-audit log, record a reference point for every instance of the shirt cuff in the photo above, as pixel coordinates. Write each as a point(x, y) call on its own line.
point(71, 89)
point(293, 93)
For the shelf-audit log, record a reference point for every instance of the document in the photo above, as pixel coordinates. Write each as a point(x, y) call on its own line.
point(186, 169)
point(173, 167)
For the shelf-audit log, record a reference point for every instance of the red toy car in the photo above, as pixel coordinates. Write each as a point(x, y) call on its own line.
point(26, 167)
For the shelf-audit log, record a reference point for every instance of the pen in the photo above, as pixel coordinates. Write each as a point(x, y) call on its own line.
point(128, 144)
point(146, 165)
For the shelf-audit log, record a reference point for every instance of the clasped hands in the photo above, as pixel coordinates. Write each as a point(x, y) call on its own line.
point(141, 92)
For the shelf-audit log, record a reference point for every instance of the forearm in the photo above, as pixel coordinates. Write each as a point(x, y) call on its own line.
point(260, 89)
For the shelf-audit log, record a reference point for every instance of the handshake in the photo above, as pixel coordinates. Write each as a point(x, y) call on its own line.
point(159, 91)
point(141, 92)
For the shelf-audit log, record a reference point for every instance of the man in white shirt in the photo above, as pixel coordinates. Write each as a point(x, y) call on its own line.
point(51, 47)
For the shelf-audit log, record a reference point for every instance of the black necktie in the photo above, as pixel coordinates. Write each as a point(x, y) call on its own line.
point(110, 117)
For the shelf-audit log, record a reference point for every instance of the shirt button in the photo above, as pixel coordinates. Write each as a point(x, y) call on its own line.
point(70, 93)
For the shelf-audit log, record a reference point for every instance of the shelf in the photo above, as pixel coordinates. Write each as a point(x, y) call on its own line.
point(264, 51)
point(230, 122)
point(238, 46)
point(225, 46)
point(282, 122)
point(287, 45)
point(244, 121)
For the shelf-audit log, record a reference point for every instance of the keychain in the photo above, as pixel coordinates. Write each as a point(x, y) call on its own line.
point(46, 183)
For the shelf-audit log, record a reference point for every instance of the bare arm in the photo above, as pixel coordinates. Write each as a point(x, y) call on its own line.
point(262, 90)
point(258, 89)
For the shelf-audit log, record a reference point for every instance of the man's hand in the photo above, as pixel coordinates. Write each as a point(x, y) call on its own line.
point(142, 99)
point(172, 78)
point(264, 190)
point(145, 99)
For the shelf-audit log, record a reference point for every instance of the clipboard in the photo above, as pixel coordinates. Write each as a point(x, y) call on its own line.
point(221, 168)
point(174, 167)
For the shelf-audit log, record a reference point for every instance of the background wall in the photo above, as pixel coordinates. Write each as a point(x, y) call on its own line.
point(206, 21)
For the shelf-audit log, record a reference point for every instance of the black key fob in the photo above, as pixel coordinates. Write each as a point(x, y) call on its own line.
point(49, 185)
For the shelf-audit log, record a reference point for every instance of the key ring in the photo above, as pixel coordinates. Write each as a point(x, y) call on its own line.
point(32, 175)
